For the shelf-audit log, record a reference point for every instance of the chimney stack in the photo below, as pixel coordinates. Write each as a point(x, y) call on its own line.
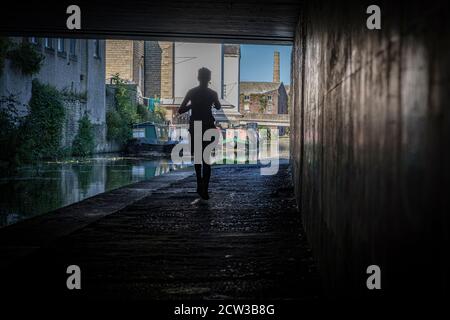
point(276, 66)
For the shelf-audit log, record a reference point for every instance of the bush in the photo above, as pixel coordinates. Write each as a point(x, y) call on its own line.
point(25, 57)
point(42, 129)
point(9, 132)
point(158, 116)
point(143, 113)
point(126, 113)
point(119, 121)
point(83, 144)
point(118, 129)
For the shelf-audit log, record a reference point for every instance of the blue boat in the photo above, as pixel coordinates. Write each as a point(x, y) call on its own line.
point(150, 139)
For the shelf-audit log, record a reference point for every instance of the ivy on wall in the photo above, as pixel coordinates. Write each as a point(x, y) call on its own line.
point(26, 58)
point(37, 135)
point(262, 103)
point(41, 132)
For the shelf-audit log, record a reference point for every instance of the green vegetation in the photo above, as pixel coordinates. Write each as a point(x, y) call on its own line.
point(157, 116)
point(127, 112)
point(120, 120)
point(83, 144)
point(38, 135)
point(35, 136)
point(10, 122)
point(42, 129)
point(26, 58)
point(116, 128)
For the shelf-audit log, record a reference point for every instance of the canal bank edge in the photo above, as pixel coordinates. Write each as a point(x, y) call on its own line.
point(27, 236)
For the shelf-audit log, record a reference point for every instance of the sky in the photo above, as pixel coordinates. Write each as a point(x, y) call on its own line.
point(257, 62)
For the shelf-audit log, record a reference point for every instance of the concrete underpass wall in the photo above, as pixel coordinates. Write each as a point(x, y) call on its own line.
point(370, 143)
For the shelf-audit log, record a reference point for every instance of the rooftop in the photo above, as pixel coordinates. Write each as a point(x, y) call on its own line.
point(231, 49)
point(255, 87)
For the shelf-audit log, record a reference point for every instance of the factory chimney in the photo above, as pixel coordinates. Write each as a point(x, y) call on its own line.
point(276, 66)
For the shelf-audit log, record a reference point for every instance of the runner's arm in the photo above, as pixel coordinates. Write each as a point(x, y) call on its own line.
point(217, 104)
point(184, 107)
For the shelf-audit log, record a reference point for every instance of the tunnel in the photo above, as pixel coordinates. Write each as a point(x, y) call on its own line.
point(369, 117)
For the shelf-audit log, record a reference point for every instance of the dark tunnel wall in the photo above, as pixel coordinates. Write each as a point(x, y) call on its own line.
point(370, 143)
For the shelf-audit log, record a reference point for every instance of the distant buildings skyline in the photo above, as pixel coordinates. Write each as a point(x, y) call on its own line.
point(257, 62)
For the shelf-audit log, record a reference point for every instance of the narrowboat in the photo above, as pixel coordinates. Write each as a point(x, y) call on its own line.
point(150, 139)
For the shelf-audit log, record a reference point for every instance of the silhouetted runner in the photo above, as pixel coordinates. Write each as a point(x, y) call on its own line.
point(201, 99)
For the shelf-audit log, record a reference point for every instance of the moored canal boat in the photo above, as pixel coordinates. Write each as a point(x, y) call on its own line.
point(150, 139)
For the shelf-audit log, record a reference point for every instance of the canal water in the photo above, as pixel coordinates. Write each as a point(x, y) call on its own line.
point(46, 186)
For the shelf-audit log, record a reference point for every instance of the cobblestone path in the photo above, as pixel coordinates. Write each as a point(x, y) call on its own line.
point(246, 242)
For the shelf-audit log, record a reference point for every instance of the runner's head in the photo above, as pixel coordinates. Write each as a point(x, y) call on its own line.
point(204, 76)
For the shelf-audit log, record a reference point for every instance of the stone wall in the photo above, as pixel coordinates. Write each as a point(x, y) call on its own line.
point(119, 59)
point(81, 72)
point(138, 64)
point(167, 71)
point(61, 69)
point(370, 143)
point(75, 110)
point(152, 85)
point(94, 86)
point(255, 106)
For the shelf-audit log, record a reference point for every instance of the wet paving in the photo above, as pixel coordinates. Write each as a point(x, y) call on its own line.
point(246, 242)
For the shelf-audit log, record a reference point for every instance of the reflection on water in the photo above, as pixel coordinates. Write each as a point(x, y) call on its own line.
point(240, 154)
point(43, 187)
point(47, 186)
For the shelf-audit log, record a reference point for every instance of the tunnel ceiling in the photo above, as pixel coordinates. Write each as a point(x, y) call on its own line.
point(218, 21)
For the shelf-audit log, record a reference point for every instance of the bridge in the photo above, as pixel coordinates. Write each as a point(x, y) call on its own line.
point(369, 168)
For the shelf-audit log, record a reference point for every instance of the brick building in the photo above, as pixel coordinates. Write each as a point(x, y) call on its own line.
point(159, 69)
point(264, 97)
point(166, 70)
point(171, 70)
point(127, 58)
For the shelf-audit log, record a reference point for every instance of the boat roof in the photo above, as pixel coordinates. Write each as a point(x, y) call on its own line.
point(148, 124)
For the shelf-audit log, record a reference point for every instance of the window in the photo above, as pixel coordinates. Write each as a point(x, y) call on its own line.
point(246, 106)
point(96, 48)
point(138, 133)
point(269, 108)
point(33, 40)
point(246, 98)
point(60, 45)
point(73, 47)
point(48, 43)
point(269, 98)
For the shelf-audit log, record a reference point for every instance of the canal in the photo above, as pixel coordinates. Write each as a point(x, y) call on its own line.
point(46, 186)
